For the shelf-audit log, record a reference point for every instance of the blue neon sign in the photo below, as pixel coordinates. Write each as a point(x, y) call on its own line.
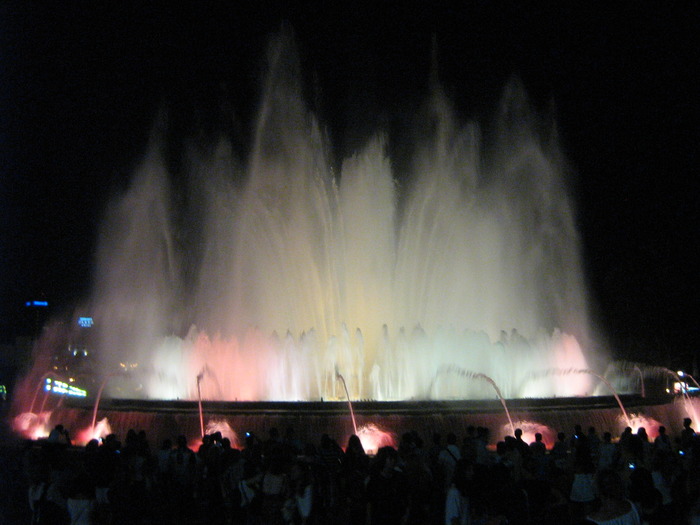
point(56, 386)
point(37, 303)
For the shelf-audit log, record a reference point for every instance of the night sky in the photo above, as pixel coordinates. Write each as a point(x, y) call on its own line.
point(80, 87)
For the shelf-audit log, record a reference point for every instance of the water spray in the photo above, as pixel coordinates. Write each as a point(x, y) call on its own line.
point(200, 376)
point(474, 375)
point(339, 376)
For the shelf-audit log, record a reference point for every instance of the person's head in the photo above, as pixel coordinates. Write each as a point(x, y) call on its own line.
point(92, 446)
point(355, 445)
point(607, 437)
point(538, 437)
point(386, 459)
point(662, 430)
point(518, 433)
point(687, 422)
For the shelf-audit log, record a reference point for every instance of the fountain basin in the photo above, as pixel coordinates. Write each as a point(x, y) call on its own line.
point(167, 419)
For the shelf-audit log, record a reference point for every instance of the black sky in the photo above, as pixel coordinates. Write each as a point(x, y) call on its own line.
point(80, 87)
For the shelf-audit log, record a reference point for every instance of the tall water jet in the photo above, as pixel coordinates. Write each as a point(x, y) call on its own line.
point(277, 270)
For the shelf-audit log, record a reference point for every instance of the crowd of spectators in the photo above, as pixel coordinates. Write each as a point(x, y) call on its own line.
point(582, 478)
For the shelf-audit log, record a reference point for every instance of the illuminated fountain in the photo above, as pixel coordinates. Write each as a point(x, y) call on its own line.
point(282, 271)
point(275, 271)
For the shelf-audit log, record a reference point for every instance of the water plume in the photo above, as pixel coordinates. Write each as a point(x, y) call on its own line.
point(279, 269)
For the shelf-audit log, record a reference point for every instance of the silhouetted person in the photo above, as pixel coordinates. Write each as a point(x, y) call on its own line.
point(687, 435)
point(614, 508)
point(387, 494)
point(662, 443)
point(448, 458)
point(354, 470)
point(520, 444)
point(59, 435)
point(609, 453)
point(457, 504)
point(560, 452)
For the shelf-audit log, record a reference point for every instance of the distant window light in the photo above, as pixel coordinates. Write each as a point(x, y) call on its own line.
point(85, 322)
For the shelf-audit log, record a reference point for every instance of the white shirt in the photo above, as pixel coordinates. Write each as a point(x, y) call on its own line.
point(456, 506)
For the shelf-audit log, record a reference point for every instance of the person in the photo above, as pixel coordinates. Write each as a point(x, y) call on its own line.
point(583, 492)
point(608, 453)
point(354, 470)
point(298, 505)
point(387, 495)
point(646, 447)
point(59, 435)
point(81, 502)
point(687, 435)
point(457, 509)
point(274, 486)
point(483, 456)
point(593, 444)
point(560, 452)
point(520, 444)
point(182, 474)
point(538, 457)
point(662, 443)
point(537, 447)
point(469, 445)
point(614, 508)
point(447, 459)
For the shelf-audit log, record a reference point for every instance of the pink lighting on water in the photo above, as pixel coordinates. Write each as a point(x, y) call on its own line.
point(649, 424)
point(221, 425)
point(373, 438)
point(32, 426)
point(102, 429)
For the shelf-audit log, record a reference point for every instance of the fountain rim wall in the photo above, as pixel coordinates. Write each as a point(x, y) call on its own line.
point(409, 407)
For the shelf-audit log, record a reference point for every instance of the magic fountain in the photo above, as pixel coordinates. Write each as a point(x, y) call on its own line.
point(267, 278)
point(275, 272)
